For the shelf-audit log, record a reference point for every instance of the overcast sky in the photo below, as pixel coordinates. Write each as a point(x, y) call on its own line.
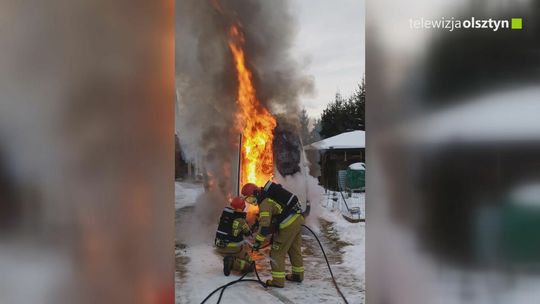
point(331, 37)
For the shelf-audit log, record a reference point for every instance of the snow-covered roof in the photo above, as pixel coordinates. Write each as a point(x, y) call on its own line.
point(357, 166)
point(507, 116)
point(347, 140)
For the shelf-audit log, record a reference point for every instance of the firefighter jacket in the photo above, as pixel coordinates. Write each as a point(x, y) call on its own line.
point(269, 214)
point(231, 229)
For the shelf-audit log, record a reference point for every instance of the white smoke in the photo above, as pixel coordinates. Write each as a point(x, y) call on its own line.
point(200, 226)
point(306, 188)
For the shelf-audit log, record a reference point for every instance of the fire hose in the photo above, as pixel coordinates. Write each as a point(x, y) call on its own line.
point(241, 279)
point(259, 281)
point(327, 264)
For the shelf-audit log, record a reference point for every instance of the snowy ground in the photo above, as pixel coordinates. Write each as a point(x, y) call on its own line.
point(185, 194)
point(199, 269)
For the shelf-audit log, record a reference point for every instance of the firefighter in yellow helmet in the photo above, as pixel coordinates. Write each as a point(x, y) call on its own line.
point(229, 240)
point(280, 215)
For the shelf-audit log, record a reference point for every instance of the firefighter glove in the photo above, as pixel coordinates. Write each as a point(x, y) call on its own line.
point(256, 246)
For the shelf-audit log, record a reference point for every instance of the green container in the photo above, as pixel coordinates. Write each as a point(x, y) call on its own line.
point(356, 179)
point(520, 233)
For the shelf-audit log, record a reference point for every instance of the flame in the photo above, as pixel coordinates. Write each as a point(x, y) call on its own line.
point(253, 120)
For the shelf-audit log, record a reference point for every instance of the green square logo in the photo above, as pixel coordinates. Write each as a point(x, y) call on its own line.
point(517, 23)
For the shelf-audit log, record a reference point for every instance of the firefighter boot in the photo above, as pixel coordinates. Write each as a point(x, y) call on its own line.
point(293, 277)
point(272, 283)
point(228, 262)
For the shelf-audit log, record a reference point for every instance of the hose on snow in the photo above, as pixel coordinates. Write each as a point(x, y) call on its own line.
point(259, 281)
point(241, 279)
point(327, 264)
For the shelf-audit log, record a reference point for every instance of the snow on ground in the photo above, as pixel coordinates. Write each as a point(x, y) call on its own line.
point(185, 194)
point(199, 268)
point(353, 234)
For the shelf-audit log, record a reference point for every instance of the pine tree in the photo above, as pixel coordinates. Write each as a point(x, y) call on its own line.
point(343, 115)
point(304, 126)
point(315, 135)
point(358, 107)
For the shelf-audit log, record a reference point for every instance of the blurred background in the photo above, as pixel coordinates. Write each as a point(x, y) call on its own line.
point(86, 126)
point(86, 151)
point(454, 137)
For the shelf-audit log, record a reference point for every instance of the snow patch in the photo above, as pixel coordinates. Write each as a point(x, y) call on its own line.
point(185, 194)
point(352, 233)
point(357, 166)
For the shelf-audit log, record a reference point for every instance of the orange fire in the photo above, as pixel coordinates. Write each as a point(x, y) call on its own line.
point(255, 123)
point(253, 120)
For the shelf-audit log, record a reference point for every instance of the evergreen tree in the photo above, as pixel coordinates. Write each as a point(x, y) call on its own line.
point(304, 126)
point(344, 115)
point(315, 135)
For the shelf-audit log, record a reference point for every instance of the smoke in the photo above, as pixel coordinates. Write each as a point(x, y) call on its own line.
point(206, 77)
point(306, 188)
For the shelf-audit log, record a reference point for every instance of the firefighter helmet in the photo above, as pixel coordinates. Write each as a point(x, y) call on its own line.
point(249, 189)
point(238, 203)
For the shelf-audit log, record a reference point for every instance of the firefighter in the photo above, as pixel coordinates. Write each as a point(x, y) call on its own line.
point(280, 215)
point(230, 235)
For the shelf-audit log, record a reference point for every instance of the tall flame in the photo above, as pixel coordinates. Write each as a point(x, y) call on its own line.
point(253, 120)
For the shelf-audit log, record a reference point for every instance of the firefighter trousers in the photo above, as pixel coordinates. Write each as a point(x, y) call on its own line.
point(242, 260)
point(287, 241)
